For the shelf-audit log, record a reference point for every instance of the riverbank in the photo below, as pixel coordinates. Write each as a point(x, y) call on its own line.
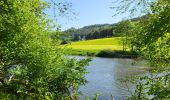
point(103, 53)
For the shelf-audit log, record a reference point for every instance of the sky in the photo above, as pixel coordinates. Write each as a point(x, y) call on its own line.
point(89, 12)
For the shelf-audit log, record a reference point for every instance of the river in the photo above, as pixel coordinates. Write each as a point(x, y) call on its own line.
point(106, 75)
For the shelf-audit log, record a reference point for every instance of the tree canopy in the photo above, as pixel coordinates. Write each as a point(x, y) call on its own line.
point(31, 66)
point(151, 39)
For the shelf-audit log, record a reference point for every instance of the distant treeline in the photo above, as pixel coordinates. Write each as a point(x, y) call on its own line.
point(91, 32)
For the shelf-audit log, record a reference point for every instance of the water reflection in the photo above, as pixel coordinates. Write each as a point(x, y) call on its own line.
point(106, 74)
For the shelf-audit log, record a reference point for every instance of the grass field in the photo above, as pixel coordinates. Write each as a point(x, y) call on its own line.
point(97, 44)
point(105, 47)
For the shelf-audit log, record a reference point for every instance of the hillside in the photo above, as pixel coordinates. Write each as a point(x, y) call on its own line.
point(90, 32)
point(93, 31)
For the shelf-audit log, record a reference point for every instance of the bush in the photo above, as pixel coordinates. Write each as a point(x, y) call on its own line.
point(117, 54)
point(31, 66)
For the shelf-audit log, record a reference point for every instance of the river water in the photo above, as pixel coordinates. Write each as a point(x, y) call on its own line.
point(106, 77)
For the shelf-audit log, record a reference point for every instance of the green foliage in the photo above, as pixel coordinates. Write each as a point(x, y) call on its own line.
point(125, 30)
point(97, 31)
point(153, 36)
point(122, 28)
point(82, 52)
point(153, 87)
point(31, 67)
point(103, 53)
point(152, 41)
point(90, 32)
point(132, 7)
point(117, 54)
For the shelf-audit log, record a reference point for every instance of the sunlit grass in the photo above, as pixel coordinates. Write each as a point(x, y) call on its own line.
point(97, 44)
point(105, 47)
point(95, 47)
point(103, 41)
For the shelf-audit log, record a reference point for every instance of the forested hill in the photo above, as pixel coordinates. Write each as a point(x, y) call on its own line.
point(91, 32)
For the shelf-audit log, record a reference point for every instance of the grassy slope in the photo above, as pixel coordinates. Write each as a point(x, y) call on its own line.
point(97, 44)
point(105, 47)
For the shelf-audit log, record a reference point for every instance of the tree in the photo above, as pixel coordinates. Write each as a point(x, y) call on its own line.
point(153, 36)
point(152, 41)
point(124, 29)
point(31, 66)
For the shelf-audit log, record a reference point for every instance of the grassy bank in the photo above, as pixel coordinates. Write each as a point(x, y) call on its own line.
point(103, 53)
point(105, 47)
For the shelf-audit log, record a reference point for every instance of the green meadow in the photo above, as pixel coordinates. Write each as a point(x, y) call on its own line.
point(97, 44)
point(105, 47)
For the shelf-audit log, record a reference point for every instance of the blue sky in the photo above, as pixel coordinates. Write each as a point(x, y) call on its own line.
point(89, 12)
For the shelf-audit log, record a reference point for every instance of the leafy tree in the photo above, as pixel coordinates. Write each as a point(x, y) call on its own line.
point(31, 66)
point(152, 41)
point(124, 29)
